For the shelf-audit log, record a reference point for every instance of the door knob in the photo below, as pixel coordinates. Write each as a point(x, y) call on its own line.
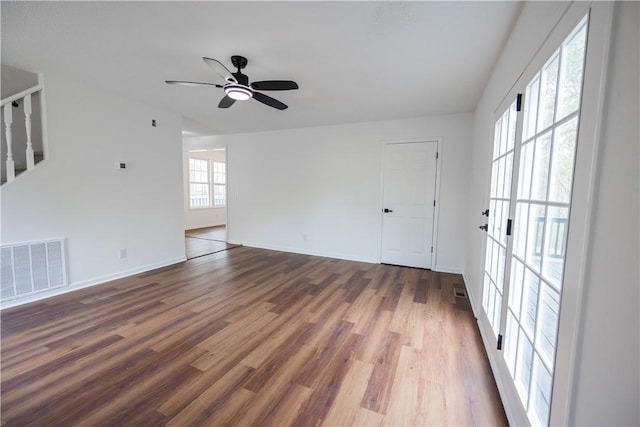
point(385, 210)
point(484, 227)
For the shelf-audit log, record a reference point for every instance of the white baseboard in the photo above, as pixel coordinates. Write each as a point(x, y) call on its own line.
point(346, 257)
point(445, 269)
point(196, 227)
point(88, 283)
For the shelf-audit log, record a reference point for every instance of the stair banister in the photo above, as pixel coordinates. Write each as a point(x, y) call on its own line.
point(6, 105)
point(8, 121)
point(27, 124)
point(18, 96)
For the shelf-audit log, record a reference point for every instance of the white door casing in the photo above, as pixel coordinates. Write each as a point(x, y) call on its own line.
point(408, 203)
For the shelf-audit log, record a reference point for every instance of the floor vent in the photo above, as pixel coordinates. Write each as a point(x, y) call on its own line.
point(32, 267)
point(459, 293)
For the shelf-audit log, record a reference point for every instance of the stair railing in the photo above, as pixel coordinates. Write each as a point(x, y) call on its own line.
point(7, 109)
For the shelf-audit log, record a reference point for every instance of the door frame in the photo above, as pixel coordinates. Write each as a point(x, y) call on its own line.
point(434, 230)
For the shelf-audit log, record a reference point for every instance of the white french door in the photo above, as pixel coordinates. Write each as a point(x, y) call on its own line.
point(528, 221)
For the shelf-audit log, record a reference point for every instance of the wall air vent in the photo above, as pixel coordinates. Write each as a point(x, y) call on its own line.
point(29, 268)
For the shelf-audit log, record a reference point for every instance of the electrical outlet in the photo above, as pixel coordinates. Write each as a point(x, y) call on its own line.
point(123, 253)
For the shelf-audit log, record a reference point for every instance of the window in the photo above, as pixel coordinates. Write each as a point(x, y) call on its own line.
point(219, 183)
point(199, 184)
point(207, 185)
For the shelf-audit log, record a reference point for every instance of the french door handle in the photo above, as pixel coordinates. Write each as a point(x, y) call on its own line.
point(484, 227)
point(485, 212)
point(385, 210)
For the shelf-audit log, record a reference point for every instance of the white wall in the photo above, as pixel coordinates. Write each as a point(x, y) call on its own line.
point(608, 371)
point(201, 217)
point(606, 379)
point(324, 183)
point(77, 193)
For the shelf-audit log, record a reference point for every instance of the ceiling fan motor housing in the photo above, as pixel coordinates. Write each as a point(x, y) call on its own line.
point(239, 61)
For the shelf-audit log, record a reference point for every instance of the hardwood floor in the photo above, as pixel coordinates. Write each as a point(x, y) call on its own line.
point(206, 241)
point(251, 337)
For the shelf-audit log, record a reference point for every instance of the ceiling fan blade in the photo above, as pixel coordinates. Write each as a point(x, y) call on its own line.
point(271, 102)
point(226, 102)
point(274, 85)
point(219, 68)
point(184, 83)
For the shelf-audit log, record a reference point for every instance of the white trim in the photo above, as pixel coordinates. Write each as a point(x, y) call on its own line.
point(445, 269)
point(347, 257)
point(89, 283)
point(582, 206)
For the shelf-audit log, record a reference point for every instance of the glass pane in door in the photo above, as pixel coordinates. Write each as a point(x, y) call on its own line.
point(499, 206)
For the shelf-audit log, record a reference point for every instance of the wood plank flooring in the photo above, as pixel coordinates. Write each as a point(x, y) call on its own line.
point(250, 337)
point(206, 241)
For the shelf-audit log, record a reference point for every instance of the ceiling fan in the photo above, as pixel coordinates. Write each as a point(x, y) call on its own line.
point(237, 86)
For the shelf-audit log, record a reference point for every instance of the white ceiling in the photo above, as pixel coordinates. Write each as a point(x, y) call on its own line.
point(354, 61)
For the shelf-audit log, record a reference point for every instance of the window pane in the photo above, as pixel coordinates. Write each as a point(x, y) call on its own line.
point(571, 72)
point(535, 236)
point(497, 310)
point(548, 323)
point(526, 162)
point(199, 195)
point(548, 86)
point(513, 117)
point(564, 146)
point(508, 166)
point(523, 367)
point(555, 244)
point(511, 343)
point(502, 255)
point(529, 302)
point(515, 288)
point(520, 230)
point(219, 172)
point(219, 195)
point(531, 108)
point(485, 292)
point(496, 139)
point(540, 177)
point(540, 393)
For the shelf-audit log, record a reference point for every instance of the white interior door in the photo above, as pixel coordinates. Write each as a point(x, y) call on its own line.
point(409, 186)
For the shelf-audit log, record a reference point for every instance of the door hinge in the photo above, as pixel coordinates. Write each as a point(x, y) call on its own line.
point(499, 341)
point(519, 102)
point(437, 154)
point(509, 227)
point(434, 203)
point(431, 249)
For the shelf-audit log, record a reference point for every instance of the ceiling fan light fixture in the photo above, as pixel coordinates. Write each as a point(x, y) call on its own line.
point(238, 92)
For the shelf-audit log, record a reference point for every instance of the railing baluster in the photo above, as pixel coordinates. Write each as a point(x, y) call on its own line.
point(8, 121)
point(27, 124)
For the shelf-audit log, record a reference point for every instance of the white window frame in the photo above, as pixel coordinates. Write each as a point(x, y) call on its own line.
point(216, 183)
point(209, 183)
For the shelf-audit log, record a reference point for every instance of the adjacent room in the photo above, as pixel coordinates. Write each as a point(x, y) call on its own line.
point(320, 213)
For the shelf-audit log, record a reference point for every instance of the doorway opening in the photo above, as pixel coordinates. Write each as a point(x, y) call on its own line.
point(205, 204)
